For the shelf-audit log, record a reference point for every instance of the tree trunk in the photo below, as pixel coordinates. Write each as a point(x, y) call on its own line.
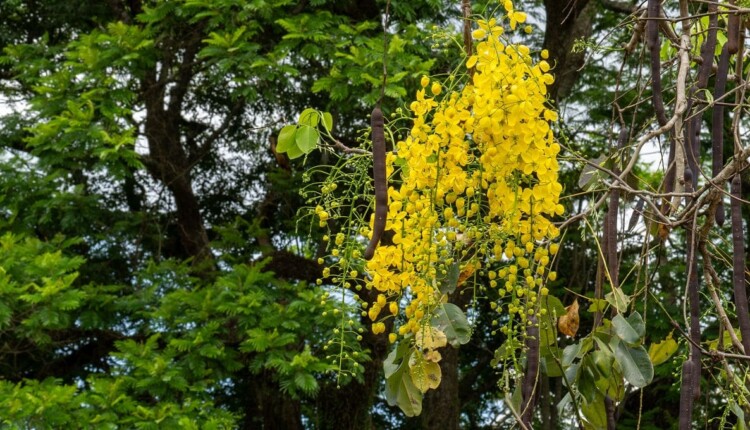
point(567, 21)
point(266, 407)
point(441, 407)
point(168, 163)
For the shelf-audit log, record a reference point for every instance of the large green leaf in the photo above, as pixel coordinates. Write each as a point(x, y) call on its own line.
point(452, 321)
point(306, 138)
point(569, 354)
point(635, 363)
point(447, 282)
point(551, 366)
point(294, 152)
point(631, 330)
point(636, 321)
point(595, 414)
point(734, 407)
point(587, 376)
point(309, 117)
point(399, 389)
point(286, 138)
point(394, 360)
point(548, 322)
point(618, 299)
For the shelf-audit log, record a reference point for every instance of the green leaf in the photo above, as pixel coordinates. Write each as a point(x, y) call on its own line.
point(309, 117)
point(452, 321)
point(393, 361)
point(569, 354)
point(590, 175)
point(551, 367)
point(401, 391)
point(595, 414)
point(306, 139)
point(625, 330)
point(660, 352)
point(447, 283)
point(328, 121)
point(602, 359)
point(294, 152)
point(587, 379)
point(618, 299)
point(636, 321)
point(286, 138)
point(548, 321)
point(306, 382)
point(737, 410)
point(597, 305)
point(635, 363)
point(553, 305)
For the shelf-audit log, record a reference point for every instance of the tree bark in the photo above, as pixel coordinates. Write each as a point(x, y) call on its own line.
point(441, 407)
point(167, 160)
point(567, 21)
point(266, 407)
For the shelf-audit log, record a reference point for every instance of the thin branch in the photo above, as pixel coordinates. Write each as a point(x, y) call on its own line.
point(347, 150)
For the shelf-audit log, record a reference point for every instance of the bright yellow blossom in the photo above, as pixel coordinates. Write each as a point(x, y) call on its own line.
point(476, 186)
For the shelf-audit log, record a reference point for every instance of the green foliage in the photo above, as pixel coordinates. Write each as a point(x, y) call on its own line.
point(37, 292)
point(399, 386)
point(304, 137)
point(183, 355)
point(451, 320)
point(599, 365)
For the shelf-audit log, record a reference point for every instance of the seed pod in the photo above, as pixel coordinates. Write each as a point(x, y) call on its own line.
point(686, 395)
point(654, 45)
point(381, 182)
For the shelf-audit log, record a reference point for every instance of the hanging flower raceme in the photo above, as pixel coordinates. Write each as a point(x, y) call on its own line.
point(477, 186)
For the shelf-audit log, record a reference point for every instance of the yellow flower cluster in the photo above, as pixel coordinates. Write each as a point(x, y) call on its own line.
point(478, 184)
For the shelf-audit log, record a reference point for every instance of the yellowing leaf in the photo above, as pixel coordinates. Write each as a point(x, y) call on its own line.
point(430, 338)
point(726, 341)
point(433, 356)
point(466, 273)
point(660, 352)
point(568, 323)
point(424, 374)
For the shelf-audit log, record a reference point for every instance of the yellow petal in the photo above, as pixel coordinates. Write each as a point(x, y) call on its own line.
point(478, 34)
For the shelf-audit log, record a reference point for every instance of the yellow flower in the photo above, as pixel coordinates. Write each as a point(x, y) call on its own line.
point(514, 16)
point(478, 181)
point(378, 328)
point(436, 88)
point(487, 27)
point(479, 33)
